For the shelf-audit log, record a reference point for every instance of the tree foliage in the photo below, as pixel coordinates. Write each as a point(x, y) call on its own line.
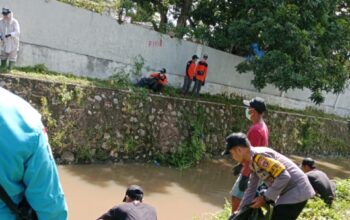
point(307, 44)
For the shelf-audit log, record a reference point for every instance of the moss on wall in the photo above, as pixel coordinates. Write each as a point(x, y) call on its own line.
point(88, 124)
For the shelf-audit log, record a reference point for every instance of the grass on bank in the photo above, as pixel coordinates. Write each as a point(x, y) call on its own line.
point(121, 81)
point(315, 209)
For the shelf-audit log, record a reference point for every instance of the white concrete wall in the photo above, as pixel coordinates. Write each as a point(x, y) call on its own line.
point(69, 39)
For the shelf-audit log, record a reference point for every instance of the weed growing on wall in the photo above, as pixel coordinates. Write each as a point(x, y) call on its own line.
point(138, 64)
point(64, 95)
point(192, 150)
point(120, 80)
point(130, 145)
point(309, 134)
point(85, 154)
point(46, 113)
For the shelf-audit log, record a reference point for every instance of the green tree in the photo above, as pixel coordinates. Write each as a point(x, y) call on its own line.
point(307, 44)
point(210, 21)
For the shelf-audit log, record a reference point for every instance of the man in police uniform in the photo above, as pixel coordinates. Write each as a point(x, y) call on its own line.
point(288, 187)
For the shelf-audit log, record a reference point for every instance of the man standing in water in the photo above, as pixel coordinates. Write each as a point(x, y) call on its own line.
point(258, 136)
point(27, 168)
point(288, 187)
point(132, 209)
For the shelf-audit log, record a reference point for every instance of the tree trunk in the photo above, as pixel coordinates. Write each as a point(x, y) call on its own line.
point(185, 13)
point(163, 11)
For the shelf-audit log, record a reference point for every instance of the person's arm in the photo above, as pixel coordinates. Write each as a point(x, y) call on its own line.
point(42, 188)
point(278, 185)
point(245, 169)
point(249, 194)
point(188, 69)
point(17, 31)
point(154, 75)
point(114, 213)
point(205, 71)
point(278, 171)
point(107, 216)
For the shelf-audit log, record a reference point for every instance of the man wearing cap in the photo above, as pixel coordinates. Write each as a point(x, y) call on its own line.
point(288, 187)
point(157, 81)
point(9, 39)
point(133, 207)
point(201, 73)
point(319, 181)
point(258, 136)
point(190, 71)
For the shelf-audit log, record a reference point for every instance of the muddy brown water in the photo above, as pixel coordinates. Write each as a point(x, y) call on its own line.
point(177, 195)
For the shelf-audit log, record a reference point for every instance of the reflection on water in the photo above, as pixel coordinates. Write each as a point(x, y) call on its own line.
point(177, 195)
point(92, 189)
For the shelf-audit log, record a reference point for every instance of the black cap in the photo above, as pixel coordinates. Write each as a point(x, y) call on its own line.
point(194, 57)
point(256, 103)
point(6, 11)
point(163, 70)
point(134, 192)
point(308, 161)
point(234, 140)
point(205, 56)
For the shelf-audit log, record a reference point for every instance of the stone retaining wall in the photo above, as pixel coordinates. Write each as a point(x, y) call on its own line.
point(88, 124)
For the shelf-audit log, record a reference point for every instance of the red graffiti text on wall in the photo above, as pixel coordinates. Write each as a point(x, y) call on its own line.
point(155, 43)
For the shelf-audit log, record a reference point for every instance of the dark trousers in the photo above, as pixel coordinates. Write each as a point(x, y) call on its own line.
point(197, 87)
point(288, 211)
point(187, 85)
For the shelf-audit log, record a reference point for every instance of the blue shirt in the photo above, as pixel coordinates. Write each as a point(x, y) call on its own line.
point(27, 167)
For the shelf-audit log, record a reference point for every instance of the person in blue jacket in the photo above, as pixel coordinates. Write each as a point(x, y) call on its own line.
point(27, 167)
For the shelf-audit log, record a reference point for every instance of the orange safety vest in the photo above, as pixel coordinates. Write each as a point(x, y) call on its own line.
point(190, 69)
point(201, 70)
point(162, 79)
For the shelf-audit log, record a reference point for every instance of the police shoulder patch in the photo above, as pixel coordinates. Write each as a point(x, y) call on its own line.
point(274, 167)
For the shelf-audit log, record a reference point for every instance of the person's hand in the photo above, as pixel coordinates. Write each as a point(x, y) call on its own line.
point(236, 170)
point(8, 35)
point(233, 215)
point(243, 183)
point(258, 202)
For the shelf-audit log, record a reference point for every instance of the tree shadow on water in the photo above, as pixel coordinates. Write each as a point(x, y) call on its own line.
point(210, 181)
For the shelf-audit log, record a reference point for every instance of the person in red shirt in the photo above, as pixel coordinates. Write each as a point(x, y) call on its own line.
point(190, 72)
point(200, 74)
point(258, 136)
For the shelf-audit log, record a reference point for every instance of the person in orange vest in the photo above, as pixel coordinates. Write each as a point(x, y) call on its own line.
point(158, 80)
point(201, 74)
point(190, 72)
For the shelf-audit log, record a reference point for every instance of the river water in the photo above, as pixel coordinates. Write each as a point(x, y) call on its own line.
point(177, 195)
